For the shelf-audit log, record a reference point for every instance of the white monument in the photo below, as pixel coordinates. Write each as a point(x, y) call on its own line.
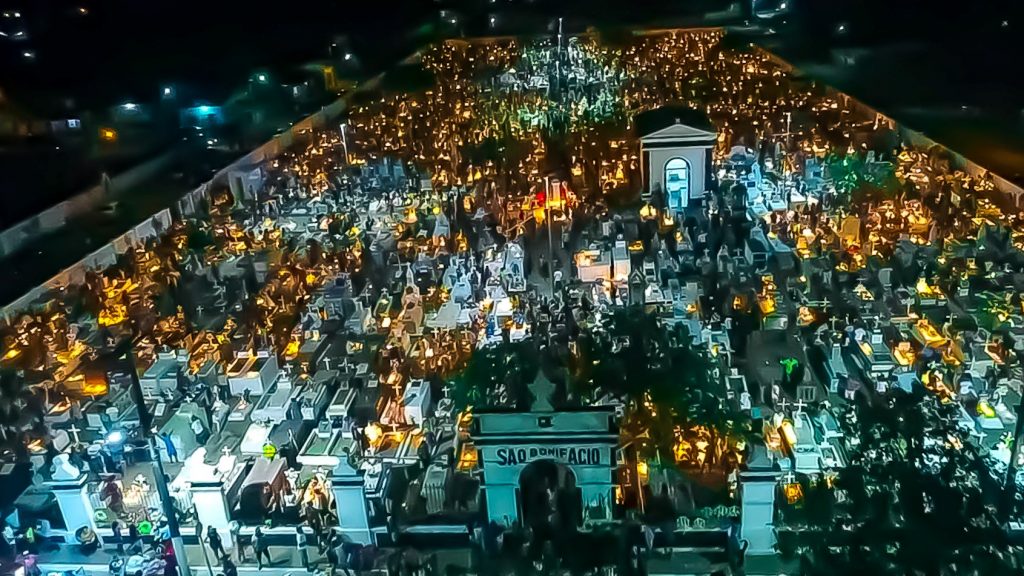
point(583, 442)
point(68, 485)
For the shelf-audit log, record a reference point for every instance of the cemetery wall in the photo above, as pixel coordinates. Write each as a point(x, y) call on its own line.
point(184, 207)
point(919, 140)
point(14, 238)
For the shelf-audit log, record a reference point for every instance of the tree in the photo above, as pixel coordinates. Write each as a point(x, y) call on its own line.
point(914, 498)
point(859, 182)
point(497, 375)
point(675, 407)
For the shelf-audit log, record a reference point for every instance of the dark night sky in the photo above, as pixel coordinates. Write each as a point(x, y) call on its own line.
point(954, 73)
point(127, 49)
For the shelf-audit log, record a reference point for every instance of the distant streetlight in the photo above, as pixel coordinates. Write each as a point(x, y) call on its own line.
point(348, 55)
point(29, 54)
point(344, 140)
point(130, 106)
point(261, 77)
point(168, 91)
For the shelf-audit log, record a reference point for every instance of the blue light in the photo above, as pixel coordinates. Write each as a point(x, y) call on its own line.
point(205, 109)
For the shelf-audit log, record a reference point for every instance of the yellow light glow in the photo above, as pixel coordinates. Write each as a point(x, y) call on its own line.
point(642, 469)
point(788, 432)
point(374, 433)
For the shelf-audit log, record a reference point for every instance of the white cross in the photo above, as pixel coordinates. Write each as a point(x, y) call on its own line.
point(789, 478)
point(799, 405)
point(74, 430)
point(327, 363)
point(784, 404)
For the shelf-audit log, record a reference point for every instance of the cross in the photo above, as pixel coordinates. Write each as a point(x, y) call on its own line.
point(199, 310)
point(789, 478)
point(74, 430)
point(799, 405)
point(327, 363)
point(784, 404)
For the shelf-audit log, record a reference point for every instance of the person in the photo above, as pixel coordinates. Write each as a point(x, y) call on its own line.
point(115, 527)
point(300, 543)
point(112, 495)
point(235, 528)
point(10, 540)
point(133, 537)
point(200, 431)
point(172, 451)
point(229, 568)
point(216, 544)
point(260, 547)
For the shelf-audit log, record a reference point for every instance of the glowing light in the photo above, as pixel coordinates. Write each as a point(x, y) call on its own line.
point(373, 433)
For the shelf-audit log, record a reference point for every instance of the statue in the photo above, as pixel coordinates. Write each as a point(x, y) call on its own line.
point(63, 469)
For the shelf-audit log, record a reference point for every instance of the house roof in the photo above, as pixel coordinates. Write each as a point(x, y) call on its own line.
point(674, 124)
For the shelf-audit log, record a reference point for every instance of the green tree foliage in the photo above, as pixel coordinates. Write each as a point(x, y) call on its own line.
point(858, 181)
point(914, 499)
point(668, 387)
point(498, 376)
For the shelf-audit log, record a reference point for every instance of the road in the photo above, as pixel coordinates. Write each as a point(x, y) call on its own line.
point(45, 257)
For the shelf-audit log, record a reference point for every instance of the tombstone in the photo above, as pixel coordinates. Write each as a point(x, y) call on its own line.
point(350, 499)
point(885, 277)
point(757, 502)
point(68, 485)
point(211, 506)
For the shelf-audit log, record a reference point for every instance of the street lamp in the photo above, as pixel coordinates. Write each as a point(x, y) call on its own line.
point(344, 140)
point(551, 248)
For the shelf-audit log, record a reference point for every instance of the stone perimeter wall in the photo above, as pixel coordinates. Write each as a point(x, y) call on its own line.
point(185, 206)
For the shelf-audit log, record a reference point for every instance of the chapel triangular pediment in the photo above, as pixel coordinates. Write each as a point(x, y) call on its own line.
point(679, 133)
